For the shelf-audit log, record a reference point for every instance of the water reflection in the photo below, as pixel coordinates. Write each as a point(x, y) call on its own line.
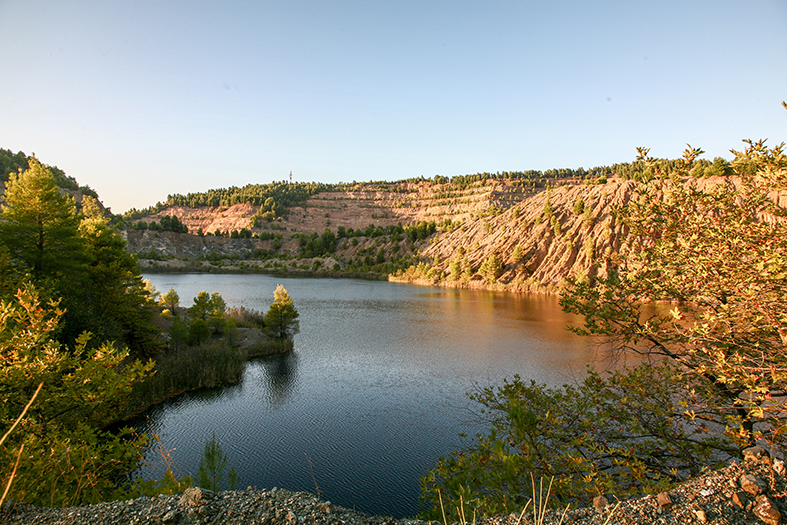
point(276, 377)
point(374, 392)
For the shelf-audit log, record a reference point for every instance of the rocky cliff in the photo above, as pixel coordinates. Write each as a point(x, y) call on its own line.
point(566, 230)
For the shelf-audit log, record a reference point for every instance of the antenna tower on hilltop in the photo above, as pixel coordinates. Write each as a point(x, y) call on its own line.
point(290, 177)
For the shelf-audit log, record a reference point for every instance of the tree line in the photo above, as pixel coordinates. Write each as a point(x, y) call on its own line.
point(80, 331)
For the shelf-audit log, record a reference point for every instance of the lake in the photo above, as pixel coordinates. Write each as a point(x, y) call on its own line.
point(375, 390)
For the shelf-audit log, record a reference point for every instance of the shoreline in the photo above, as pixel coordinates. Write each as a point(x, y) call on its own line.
point(259, 350)
point(745, 492)
point(518, 287)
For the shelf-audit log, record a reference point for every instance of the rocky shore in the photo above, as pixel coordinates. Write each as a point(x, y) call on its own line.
point(753, 491)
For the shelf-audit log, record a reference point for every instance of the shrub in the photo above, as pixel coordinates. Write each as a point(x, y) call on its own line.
point(246, 318)
point(211, 364)
point(68, 458)
point(626, 434)
point(199, 332)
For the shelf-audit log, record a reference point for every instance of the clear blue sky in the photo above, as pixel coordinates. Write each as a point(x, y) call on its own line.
point(140, 99)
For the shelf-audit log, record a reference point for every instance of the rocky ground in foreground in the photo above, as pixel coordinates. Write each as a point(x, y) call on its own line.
point(750, 492)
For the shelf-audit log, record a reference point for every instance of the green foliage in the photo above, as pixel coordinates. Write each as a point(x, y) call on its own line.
point(178, 333)
point(281, 321)
point(273, 199)
point(587, 217)
point(420, 230)
point(318, 245)
point(170, 300)
point(168, 484)
point(68, 459)
point(624, 434)
point(112, 301)
point(247, 317)
point(39, 230)
point(208, 305)
point(210, 364)
point(556, 226)
point(90, 208)
point(212, 467)
point(548, 212)
point(199, 331)
point(455, 267)
point(172, 223)
point(719, 251)
point(217, 324)
point(579, 206)
point(490, 269)
point(517, 255)
point(83, 263)
point(11, 162)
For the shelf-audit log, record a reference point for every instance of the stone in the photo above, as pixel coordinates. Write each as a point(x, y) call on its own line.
point(756, 453)
point(753, 484)
point(778, 467)
point(195, 497)
point(665, 502)
point(767, 511)
point(741, 499)
point(701, 516)
point(600, 503)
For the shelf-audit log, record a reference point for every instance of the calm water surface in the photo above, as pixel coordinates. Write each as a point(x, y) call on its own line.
point(374, 392)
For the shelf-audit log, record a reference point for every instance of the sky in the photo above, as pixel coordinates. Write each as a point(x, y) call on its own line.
point(142, 99)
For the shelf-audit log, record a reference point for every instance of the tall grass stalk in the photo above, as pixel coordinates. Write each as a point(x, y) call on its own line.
point(460, 510)
point(21, 447)
point(541, 501)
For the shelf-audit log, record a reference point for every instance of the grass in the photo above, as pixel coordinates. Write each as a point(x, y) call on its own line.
point(270, 347)
point(212, 364)
point(209, 365)
point(539, 500)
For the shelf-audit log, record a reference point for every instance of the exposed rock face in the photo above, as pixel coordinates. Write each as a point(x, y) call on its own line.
point(569, 230)
point(212, 218)
point(179, 245)
point(582, 246)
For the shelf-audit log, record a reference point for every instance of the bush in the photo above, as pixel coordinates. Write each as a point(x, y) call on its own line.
point(68, 458)
point(208, 365)
point(626, 434)
point(246, 317)
point(199, 332)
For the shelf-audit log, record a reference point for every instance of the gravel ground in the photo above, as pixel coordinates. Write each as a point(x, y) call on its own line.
point(750, 492)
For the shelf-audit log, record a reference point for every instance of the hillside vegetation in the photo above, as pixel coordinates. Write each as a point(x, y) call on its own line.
point(514, 231)
point(429, 232)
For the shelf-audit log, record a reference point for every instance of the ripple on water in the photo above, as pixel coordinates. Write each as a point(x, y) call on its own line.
point(374, 393)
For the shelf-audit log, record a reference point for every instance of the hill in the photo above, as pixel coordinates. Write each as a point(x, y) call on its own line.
point(377, 229)
point(514, 231)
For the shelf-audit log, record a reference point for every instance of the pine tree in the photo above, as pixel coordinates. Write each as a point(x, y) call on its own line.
point(39, 226)
point(282, 318)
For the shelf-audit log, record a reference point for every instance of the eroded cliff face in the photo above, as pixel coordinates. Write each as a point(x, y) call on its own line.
point(581, 245)
point(176, 245)
point(490, 217)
